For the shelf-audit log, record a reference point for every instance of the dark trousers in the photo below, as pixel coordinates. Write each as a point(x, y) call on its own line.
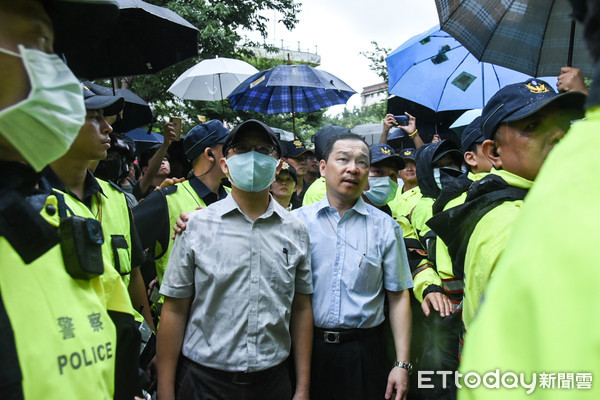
point(352, 369)
point(202, 383)
point(440, 353)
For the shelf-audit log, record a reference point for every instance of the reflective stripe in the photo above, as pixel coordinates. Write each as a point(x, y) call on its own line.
point(421, 269)
point(453, 285)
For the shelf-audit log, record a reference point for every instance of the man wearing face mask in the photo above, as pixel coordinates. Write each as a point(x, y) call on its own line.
point(383, 176)
point(155, 216)
point(237, 287)
point(58, 340)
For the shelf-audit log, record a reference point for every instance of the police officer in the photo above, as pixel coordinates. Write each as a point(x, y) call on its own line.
point(537, 312)
point(521, 124)
point(156, 215)
point(58, 339)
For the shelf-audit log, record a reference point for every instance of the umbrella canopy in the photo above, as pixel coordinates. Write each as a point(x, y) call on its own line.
point(211, 80)
point(136, 112)
point(145, 39)
point(290, 88)
point(144, 139)
point(466, 118)
point(531, 36)
point(435, 70)
point(74, 30)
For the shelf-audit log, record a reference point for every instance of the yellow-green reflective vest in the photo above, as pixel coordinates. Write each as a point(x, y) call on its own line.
point(114, 290)
point(65, 340)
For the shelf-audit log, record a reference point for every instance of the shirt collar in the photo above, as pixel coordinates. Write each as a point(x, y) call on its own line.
point(512, 179)
point(228, 205)
point(204, 192)
point(91, 185)
point(360, 206)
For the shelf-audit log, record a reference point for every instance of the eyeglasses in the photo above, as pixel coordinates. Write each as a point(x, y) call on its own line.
point(241, 148)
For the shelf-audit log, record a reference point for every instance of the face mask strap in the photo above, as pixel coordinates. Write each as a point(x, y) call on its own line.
point(10, 52)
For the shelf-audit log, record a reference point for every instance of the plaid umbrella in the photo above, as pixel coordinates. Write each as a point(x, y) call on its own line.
point(290, 88)
point(535, 37)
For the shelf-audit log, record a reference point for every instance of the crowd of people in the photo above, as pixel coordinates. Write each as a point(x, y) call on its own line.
point(243, 266)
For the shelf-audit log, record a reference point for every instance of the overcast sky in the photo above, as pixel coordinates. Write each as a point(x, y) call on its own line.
point(341, 29)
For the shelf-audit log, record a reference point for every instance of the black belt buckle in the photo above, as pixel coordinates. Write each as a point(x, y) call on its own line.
point(331, 337)
point(241, 378)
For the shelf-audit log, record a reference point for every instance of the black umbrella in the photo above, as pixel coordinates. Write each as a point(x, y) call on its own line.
point(74, 30)
point(144, 40)
point(429, 122)
point(136, 111)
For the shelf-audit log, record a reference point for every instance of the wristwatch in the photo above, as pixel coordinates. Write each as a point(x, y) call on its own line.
point(406, 366)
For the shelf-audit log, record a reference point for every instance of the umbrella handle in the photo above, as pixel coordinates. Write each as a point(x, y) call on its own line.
point(571, 43)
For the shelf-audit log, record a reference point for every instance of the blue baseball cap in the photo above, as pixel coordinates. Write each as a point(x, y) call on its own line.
point(383, 151)
point(409, 154)
point(471, 134)
point(293, 148)
point(288, 169)
point(202, 136)
point(520, 100)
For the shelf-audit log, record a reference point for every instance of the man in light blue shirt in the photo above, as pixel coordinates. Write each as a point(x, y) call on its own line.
point(358, 257)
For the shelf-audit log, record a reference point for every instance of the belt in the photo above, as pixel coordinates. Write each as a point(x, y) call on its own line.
point(238, 377)
point(337, 336)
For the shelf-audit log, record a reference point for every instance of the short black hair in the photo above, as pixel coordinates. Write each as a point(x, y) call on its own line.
point(344, 136)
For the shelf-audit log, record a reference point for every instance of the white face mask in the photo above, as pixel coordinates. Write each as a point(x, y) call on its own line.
point(43, 126)
point(381, 191)
point(252, 171)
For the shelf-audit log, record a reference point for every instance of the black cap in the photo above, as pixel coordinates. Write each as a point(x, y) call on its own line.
point(448, 147)
point(383, 151)
point(202, 136)
point(292, 148)
point(520, 100)
point(288, 169)
point(99, 100)
point(471, 134)
point(251, 125)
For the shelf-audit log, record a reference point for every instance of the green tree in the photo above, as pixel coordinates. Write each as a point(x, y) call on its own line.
point(372, 114)
point(377, 58)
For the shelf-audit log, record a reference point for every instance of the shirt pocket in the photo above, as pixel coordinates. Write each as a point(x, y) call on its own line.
point(368, 275)
point(282, 273)
point(121, 256)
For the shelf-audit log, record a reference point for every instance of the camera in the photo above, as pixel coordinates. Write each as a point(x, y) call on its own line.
point(402, 120)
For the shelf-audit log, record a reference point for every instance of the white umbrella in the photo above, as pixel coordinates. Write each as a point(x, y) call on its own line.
point(466, 118)
point(211, 80)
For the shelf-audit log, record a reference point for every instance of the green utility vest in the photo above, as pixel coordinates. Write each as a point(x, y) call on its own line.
point(64, 337)
point(113, 288)
point(113, 214)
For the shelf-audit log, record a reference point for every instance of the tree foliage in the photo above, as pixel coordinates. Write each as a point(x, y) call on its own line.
point(219, 24)
point(377, 58)
point(372, 114)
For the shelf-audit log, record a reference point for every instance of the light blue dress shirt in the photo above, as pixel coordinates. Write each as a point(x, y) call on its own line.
point(243, 276)
point(354, 258)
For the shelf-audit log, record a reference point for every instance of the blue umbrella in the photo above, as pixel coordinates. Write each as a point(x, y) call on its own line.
point(290, 88)
point(144, 139)
point(435, 70)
